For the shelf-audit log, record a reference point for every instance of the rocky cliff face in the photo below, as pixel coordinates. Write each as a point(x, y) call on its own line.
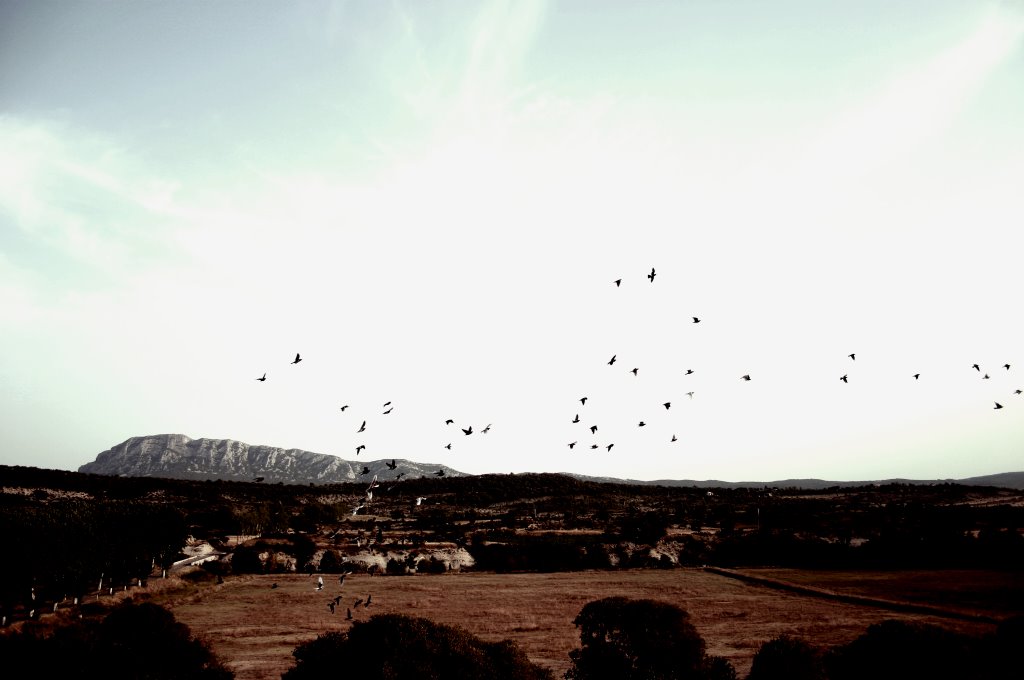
point(179, 457)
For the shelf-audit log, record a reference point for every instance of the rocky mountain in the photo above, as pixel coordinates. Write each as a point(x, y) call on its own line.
point(1007, 480)
point(179, 457)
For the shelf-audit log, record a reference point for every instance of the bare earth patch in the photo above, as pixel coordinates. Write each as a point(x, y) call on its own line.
point(253, 627)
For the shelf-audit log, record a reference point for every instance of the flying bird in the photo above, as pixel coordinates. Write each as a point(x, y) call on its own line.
point(386, 404)
point(583, 400)
point(690, 395)
point(642, 423)
point(612, 360)
point(362, 428)
point(917, 376)
point(618, 282)
point(439, 473)
point(449, 421)
point(572, 445)
point(673, 438)
point(852, 356)
point(297, 359)
point(348, 614)
point(388, 411)
point(448, 446)
point(486, 429)
point(358, 602)
point(367, 603)
point(689, 371)
point(263, 379)
point(468, 431)
point(634, 371)
point(651, 275)
point(976, 368)
point(360, 448)
point(746, 377)
point(593, 446)
point(844, 379)
point(667, 405)
point(576, 419)
point(609, 447)
point(985, 377)
point(593, 429)
point(998, 405)
point(399, 476)
point(344, 407)
point(696, 320)
point(365, 471)
point(1006, 366)
point(392, 465)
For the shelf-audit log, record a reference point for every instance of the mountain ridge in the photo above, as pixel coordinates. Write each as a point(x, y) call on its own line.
point(178, 456)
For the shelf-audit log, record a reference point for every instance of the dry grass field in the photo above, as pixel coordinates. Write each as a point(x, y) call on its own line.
point(254, 627)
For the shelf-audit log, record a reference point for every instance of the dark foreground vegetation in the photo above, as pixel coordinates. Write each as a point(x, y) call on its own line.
point(74, 537)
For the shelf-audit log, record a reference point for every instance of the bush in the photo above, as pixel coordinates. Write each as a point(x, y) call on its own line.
point(787, 658)
point(633, 639)
point(897, 650)
point(399, 647)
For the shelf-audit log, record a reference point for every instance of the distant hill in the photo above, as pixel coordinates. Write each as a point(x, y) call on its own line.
point(176, 456)
point(1007, 480)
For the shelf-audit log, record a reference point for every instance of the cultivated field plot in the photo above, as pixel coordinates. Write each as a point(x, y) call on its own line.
point(254, 627)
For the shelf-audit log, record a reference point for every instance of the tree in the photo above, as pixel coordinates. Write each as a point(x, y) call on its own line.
point(399, 647)
point(787, 658)
point(897, 650)
point(633, 639)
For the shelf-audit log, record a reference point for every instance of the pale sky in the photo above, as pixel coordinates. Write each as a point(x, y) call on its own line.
point(431, 203)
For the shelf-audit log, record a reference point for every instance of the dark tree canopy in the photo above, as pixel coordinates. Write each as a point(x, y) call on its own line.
point(898, 650)
point(633, 639)
point(787, 658)
point(399, 647)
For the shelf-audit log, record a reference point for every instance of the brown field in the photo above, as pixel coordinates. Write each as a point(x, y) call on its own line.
point(254, 628)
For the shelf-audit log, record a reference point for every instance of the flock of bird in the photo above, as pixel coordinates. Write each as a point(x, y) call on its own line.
point(388, 407)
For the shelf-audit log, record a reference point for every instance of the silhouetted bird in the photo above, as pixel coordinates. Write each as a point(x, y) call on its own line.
point(449, 421)
point(263, 379)
point(612, 361)
point(344, 407)
point(331, 605)
point(576, 419)
point(998, 405)
point(572, 445)
point(365, 471)
point(642, 423)
point(362, 428)
point(386, 404)
point(583, 400)
point(297, 359)
point(486, 429)
point(358, 602)
point(976, 367)
point(360, 448)
point(399, 476)
point(439, 473)
point(392, 465)
point(852, 356)
point(593, 429)
point(985, 377)
point(618, 282)
point(448, 446)
point(917, 376)
point(746, 377)
point(337, 600)
point(369, 598)
point(651, 275)
point(609, 447)
point(690, 395)
point(593, 446)
point(348, 614)
point(689, 371)
point(1017, 392)
point(1006, 366)
point(844, 379)
point(467, 431)
point(634, 371)
point(388, 411)
point(667, 405)
point(273, 586)
point(696, 320)
point(673, 438)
